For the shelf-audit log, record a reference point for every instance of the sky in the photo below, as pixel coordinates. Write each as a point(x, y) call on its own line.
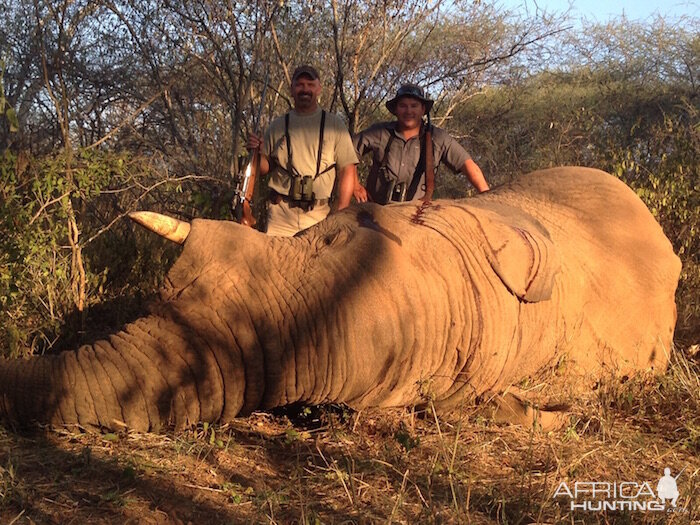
point(604, 10)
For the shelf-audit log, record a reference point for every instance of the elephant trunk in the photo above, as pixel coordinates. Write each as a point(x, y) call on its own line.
point(151, 374)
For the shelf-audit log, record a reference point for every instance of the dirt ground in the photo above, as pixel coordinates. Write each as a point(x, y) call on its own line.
point(332, 465)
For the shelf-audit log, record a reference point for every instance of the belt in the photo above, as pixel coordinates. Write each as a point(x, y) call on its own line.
point(276, 198)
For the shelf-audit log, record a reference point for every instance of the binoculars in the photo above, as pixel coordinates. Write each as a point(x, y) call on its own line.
point(396, 191)
point(302, 188)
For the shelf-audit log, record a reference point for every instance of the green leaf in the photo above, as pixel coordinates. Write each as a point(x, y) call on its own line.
point(12, 119)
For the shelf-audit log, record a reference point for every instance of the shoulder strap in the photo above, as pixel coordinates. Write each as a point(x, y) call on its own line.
point(425, 165)
point(385, 157)
point(320, 142)
point(290, 165)
point(429, 163)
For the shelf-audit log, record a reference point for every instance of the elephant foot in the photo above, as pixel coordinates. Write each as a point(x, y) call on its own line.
point(515, 409)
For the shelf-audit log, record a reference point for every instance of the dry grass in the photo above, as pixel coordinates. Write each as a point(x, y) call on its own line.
point(379, 466)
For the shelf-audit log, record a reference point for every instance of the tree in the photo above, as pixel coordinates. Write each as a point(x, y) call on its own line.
point(623, 98)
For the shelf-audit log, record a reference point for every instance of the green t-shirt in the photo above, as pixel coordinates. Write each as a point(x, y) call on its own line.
point(338, 151)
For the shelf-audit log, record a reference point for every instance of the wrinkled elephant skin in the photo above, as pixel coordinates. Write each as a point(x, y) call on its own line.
point(557, 278)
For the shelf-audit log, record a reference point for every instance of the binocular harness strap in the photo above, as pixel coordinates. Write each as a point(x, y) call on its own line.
point(372, 179)
point(291, 170)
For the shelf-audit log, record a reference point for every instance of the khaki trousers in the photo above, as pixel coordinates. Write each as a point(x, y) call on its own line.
point(284, 221)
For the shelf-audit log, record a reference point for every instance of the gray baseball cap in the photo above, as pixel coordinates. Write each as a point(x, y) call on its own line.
point(305, 70)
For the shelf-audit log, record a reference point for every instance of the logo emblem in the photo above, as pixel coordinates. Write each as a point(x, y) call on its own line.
point(597, 496)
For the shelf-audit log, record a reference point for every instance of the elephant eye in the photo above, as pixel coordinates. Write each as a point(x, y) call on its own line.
point(335, 238)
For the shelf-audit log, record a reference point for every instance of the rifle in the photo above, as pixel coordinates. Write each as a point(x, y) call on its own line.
point(243, 193)
point(245, 182)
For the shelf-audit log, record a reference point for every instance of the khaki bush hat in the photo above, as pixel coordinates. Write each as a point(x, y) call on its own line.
point(409, 90)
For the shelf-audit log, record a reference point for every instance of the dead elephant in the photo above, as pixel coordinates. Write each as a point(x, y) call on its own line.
point(379, 306)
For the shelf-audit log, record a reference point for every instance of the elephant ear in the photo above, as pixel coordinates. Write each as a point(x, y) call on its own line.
point(521, 252)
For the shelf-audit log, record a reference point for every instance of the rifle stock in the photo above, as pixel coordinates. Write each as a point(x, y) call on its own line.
point(242, 211)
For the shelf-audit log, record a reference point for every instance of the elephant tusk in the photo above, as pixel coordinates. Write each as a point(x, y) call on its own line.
point(172, 229)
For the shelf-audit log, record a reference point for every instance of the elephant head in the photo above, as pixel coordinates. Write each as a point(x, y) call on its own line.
point(377, 306)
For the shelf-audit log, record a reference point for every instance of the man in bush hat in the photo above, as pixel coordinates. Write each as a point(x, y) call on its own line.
point(303, 151)
point(403, 167)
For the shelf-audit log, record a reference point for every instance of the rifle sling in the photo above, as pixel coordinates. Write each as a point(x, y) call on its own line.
point(428, 162)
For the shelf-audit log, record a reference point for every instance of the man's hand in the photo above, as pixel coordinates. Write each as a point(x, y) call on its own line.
point(254, 141)
point(360, 193)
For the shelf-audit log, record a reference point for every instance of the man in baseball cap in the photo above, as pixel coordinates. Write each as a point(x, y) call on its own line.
point(303, 151)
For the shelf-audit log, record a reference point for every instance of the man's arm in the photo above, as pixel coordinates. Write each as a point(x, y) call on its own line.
point(346, 159)
point(474, 175)
point(364, 142)
point(346, 185)
point(457, 158)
